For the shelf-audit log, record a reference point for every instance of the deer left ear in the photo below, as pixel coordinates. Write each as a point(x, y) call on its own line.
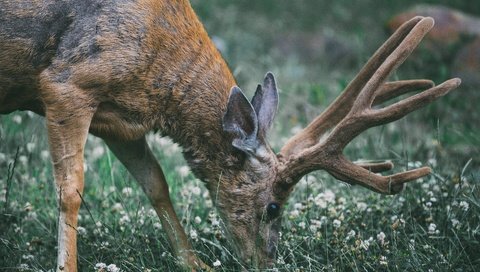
point(240, 120)
point(265, 103)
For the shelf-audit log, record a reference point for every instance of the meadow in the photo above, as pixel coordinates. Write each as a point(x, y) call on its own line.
point(314, 48)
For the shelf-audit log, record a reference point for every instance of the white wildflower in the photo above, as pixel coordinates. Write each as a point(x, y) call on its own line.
point(294, 213)
point(193, 234)
point(337, 223)
point(365, 244)
point(350, 235)
point(294, 130)
point(97, 152)
point(28, 257)
point(17, 119)
point(183, 171)
point(310, 179)
point(215, 222)
point(315, 225)
point(174, 148)
point(411, 244)
point(196, 190)
point(432, 228)
point(152, 213)
point(81, 231)
point(456, 224)
point(99, 266)
point(415, 164)
point(324, 198)
point(157, 225)
point(113, 268)
point(383, 261)
point(464, 205)
point(320, 202)
point(117, 207)
point(381, 238)
point(23, 267)
point(302, 225)
point(30, 147)
point(124, 219)
point(298, 206)
point(329, 196)
point(197, 220)
point(208, 203)
point(127, 191)
point(23, 159)
point(44, 154)
point(28, 207)
point(362, 206)
point(163, 141)
point(217, 263)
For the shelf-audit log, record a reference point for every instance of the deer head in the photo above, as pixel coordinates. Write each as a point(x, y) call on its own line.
point(251, 194)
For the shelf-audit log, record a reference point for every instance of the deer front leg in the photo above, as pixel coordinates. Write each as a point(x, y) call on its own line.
point(67, 133)
point(140, 162)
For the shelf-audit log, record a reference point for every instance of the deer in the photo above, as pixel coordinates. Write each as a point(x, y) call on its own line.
point(119, 69)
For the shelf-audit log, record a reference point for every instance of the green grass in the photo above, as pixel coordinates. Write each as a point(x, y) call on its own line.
point(327, 224)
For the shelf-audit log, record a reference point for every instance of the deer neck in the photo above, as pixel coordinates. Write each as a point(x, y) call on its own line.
point(194, 95)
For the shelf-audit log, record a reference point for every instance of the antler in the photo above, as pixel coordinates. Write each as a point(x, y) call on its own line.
point(352, 113)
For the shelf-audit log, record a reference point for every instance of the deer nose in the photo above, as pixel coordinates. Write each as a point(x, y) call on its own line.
point(271, 250)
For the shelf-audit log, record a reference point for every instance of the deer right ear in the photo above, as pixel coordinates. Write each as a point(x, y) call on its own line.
point(265, 103)
point(240, 120)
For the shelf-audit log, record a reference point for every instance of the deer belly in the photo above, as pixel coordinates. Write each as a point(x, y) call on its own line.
point(113, 122)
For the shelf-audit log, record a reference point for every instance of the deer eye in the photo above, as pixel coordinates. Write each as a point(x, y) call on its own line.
point(273, 210)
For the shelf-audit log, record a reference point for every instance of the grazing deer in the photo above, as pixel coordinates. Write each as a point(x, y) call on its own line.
point(118, 69)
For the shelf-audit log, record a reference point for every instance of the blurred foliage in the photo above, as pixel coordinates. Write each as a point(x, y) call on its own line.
point(316, 47)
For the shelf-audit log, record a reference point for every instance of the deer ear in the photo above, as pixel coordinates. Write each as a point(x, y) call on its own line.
point(265, 103)
point(240, 120)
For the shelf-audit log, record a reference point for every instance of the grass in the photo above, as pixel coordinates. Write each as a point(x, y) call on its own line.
point(434, 225)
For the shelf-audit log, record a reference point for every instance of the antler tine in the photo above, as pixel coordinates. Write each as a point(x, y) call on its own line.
point(347, 171)
point(412, 103)
point(393, 89)
point(353, 115)
point(376, 167)
point(342, 104)
point(397, 57)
